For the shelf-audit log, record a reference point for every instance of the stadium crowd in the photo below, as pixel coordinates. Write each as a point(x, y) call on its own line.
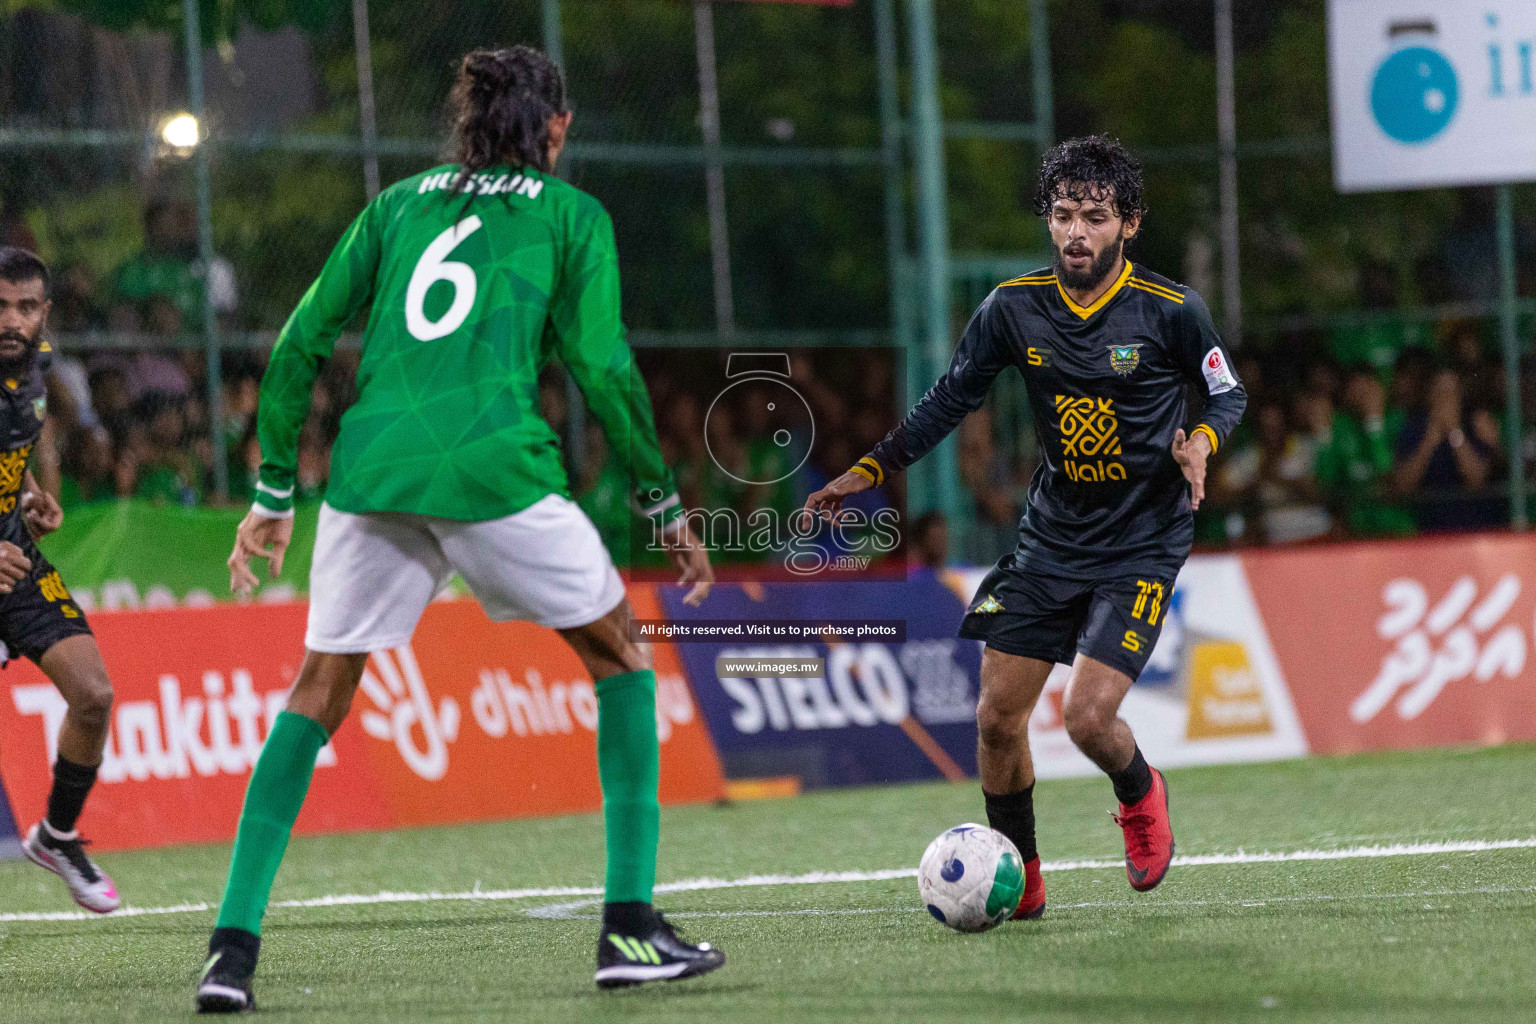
point(1381, 430)
point(1381, 427)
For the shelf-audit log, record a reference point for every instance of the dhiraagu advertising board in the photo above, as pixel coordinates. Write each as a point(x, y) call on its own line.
point(1429, 93)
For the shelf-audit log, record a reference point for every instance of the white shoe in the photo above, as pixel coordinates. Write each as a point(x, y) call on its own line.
point(65, 857)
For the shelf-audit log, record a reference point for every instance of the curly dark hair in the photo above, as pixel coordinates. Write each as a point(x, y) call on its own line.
point(19, 265)
point(1092, 167)
point(501, 104)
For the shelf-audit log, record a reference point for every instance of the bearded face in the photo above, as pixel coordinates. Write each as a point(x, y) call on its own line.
point(1088, 237)
point(1079, 268)
point(24, 309)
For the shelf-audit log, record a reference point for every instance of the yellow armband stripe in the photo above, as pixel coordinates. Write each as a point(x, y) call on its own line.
point(1208, 432)
point(870, 470)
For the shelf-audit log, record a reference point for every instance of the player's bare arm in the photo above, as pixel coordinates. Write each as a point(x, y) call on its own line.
point(1191, 454)
point(14, 566)
point(258, 536)
point(41, 510)
point(829, 500)
point(691, 558)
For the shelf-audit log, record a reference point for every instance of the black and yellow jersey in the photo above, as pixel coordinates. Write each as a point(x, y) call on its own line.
point(1106, 386)
point(23, 404)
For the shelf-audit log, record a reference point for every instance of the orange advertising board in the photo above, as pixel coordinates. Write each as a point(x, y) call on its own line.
point(1404, 644)
point(472, 720)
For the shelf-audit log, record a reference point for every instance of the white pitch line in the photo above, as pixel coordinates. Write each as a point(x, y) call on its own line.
point(77, 915)
point(813, 878)
point(1285, 856)
point(1152, 904)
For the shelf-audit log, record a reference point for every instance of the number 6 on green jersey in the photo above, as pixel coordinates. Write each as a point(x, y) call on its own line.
point(433, 267)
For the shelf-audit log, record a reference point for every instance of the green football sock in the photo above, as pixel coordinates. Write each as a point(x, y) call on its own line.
point(629, 765)
point(272, 801)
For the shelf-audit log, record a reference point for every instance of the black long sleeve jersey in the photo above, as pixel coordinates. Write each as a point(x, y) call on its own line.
point(1106, 388)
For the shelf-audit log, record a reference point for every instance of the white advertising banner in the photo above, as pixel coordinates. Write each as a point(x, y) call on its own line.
point(1428, 93)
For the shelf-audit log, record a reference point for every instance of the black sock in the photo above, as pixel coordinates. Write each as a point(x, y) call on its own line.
point(71, 785)
point(244, 946)
point(1013, 814)
point(628, 918)
point(1132, 782)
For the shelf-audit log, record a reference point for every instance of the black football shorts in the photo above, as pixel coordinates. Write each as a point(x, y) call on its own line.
point(39, 612)
point(1034, 614)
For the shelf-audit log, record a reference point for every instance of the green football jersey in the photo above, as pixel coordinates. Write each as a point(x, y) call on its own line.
point(473, 291)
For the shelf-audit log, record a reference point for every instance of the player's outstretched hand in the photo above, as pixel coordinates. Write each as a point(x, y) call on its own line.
point(692, 560)
point(14, 566)
point(826, 502)
point(42, 513)
point(1190, 453)
point(258, 537)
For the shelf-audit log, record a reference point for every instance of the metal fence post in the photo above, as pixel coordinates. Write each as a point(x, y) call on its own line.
point(1226, 132)
point(887, 68)
point(554, 39)
point(714, 169)
point(933, 236)
point(1514, 426)
point(1040, 68)
point(205, 249)
point(367, 122)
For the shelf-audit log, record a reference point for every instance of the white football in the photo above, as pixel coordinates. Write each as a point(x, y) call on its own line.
point(971, 878)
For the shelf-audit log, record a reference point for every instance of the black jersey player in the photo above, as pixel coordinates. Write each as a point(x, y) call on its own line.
point(38, 618)
point(1106, 349)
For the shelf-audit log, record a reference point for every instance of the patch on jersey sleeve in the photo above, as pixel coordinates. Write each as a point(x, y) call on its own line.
point(1218, 378)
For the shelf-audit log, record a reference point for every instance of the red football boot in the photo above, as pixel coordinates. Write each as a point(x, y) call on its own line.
point(1032, 903)
point(1148, 836)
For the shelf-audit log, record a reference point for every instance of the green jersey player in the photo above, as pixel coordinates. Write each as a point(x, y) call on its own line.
point(478, 272)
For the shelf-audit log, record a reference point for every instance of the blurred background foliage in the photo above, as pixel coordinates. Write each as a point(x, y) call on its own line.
point(807, 242)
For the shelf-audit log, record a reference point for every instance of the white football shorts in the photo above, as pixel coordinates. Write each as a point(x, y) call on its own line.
point(374, 574)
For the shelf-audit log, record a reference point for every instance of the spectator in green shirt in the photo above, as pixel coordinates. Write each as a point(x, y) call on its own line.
point(155, 463)
point(1377, 342)
point(168, 267)
point(1355, 468)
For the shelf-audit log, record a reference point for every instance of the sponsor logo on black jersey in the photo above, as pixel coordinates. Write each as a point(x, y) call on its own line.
point(1090, 431)
point(13, 467)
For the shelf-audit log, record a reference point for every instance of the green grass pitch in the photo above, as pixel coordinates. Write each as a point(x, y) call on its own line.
point(1436, 937)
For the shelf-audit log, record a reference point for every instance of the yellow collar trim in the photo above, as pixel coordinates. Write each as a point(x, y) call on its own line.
point(1098, 304)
